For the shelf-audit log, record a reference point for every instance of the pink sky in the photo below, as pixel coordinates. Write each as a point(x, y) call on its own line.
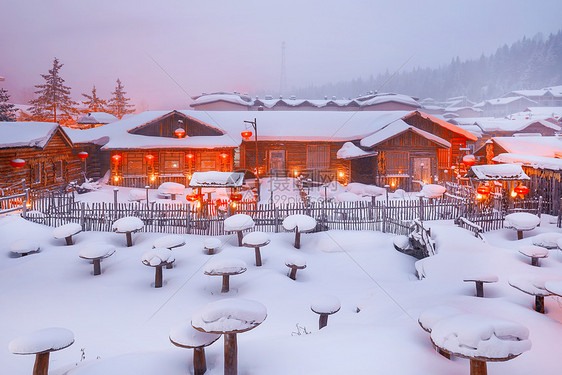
point(236, 46)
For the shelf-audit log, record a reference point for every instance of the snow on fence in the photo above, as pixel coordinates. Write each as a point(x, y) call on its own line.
point(394, 216)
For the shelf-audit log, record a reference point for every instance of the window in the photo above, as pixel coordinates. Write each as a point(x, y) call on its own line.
point(172, 162)
point(444, 156)
point(396, 162)
point(59, 173)
point(134, 164)
point(36, 172)
point(318, 157)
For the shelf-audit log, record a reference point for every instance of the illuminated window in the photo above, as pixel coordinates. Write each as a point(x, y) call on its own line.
point(172, 164)
point(396, 162)
point(318, 157)
point(36, 172)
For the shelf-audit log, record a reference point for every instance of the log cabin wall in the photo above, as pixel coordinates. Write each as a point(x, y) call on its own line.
point(315, 160)
point(404, 159)
point(167, 125)
point(140, 168)
point(548, 184)
point(50, 168)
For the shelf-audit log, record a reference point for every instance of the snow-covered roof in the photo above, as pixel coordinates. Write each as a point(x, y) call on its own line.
point(534, 145)
point(504, 172)
point(385, 98)
point(26, 134)
point(555, 91)
point(447, 125)
point(538, 162)
point(512, 125)
point(216, 179)
point(97, 118)
point(234, 98)
point(504, 101)
point(396, 128)
point(350, 151)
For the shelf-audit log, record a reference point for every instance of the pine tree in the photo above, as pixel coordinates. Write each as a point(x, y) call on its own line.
point(94, 102)
point(119, 104)
point(6, 109)
point(53, 102)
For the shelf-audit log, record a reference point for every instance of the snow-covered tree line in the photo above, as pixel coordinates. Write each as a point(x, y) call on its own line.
point(54, 103)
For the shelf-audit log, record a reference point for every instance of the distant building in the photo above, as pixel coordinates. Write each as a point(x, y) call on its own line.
point(94, 119)
point(546, 97)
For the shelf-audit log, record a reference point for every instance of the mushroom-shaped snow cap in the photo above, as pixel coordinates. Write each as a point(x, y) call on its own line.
point(303, 222)
point(94, 250)
point(547, 240)
point(533, 285)
point(67, 230)
point(225, 266)
point(256, 239)
point(24, 246)
point(432, 191)
point(42, 341)
point(157, 256)
point(428, 318)
point(170, 241)
point(326, 305)
point(533, 251)
point(479, 336)
point(229, 315)
point(212, 243)
point(522, 221)
point(127, 224)
point(295, 260)
point(171, 188)
point(238, 222)
point(482, 277)
point(186, 336)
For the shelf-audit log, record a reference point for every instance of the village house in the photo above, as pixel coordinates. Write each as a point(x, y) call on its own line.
point(94, 119)
point(38, 153)
point(541, 159)
point(548, 97)
point(501, 107)
point(158, 146)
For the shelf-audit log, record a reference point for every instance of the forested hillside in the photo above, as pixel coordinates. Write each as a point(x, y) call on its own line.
point(527, 64)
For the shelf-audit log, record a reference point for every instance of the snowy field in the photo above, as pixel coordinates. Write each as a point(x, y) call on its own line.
point(121, 322)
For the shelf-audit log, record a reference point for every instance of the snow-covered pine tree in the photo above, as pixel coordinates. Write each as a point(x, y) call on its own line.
point(94, 102)
point(53, 102)
point(119, 104)
point(6, 109)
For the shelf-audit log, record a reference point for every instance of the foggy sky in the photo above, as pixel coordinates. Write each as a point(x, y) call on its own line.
point(226, 45)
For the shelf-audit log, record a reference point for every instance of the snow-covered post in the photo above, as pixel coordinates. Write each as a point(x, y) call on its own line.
point(225, 268)
point(66, 231)
point(534, 286)
point(42, 343)
point(128, 225)
point(521, 221)
point(421, 209)
point(325, 306)
point(229, 317)
point(185, 336)
point(158, 258)
point(300, 224)
point(480, 339)
point(82, 214)
point(238, 223)
point(115, 191)
point(256, 240)
point(146, 188)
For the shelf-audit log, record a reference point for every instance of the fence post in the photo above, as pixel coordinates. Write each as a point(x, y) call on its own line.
point(82, 214)
point(560, 213)
point(115, 190)
point(276, 213)
point(147, 187)
point(421, 209)
point(188, 220)
point(384, 218)
point(24, 212)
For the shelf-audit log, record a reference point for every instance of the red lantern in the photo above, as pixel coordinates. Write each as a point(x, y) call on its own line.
point(149, 158)
point(179, 132)
point(469, 160)
point(82, 155)
point(17, 163)
point(190, 156)
point(116, 158)
point(224, 155)
point(521, 189)
point(483, 190)
point(246, 134)
point(236, 197)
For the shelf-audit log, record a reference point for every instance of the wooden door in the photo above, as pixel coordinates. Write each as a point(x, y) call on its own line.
point(422, 170)
point(276, 161)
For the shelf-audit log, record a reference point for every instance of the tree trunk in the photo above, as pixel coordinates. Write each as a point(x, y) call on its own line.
point(478, 367)
point(230, 354)
point(258, 257)
point(225, 284)
point(199, 361)
point(479, 289)
point(158, 277)
point(97, 267)
point(41, 366)
point(293, 274)
point(297, 239)
point(129, 239)
point(240, 236)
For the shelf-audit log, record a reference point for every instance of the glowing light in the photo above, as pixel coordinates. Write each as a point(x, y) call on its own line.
point(521, 189)
point(341, 174)
point(179, 132)
point(17, 163)
point(469, 160)
point(246, 134)
point(153, 178)
point(28, 204)
point(483, 190)
point(513, 194)
point(116, 158)
point(82, 155)
point(393, 184)
point(233, 204)
point(149, 158)
point(224, 156)
point(296, 173)
point(190, 156)
point(116, 178)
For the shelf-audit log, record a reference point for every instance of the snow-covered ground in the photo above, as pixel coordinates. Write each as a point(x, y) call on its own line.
point(121, 322)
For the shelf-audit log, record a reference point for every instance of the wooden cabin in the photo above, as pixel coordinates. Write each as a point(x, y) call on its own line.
point(50, 160)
